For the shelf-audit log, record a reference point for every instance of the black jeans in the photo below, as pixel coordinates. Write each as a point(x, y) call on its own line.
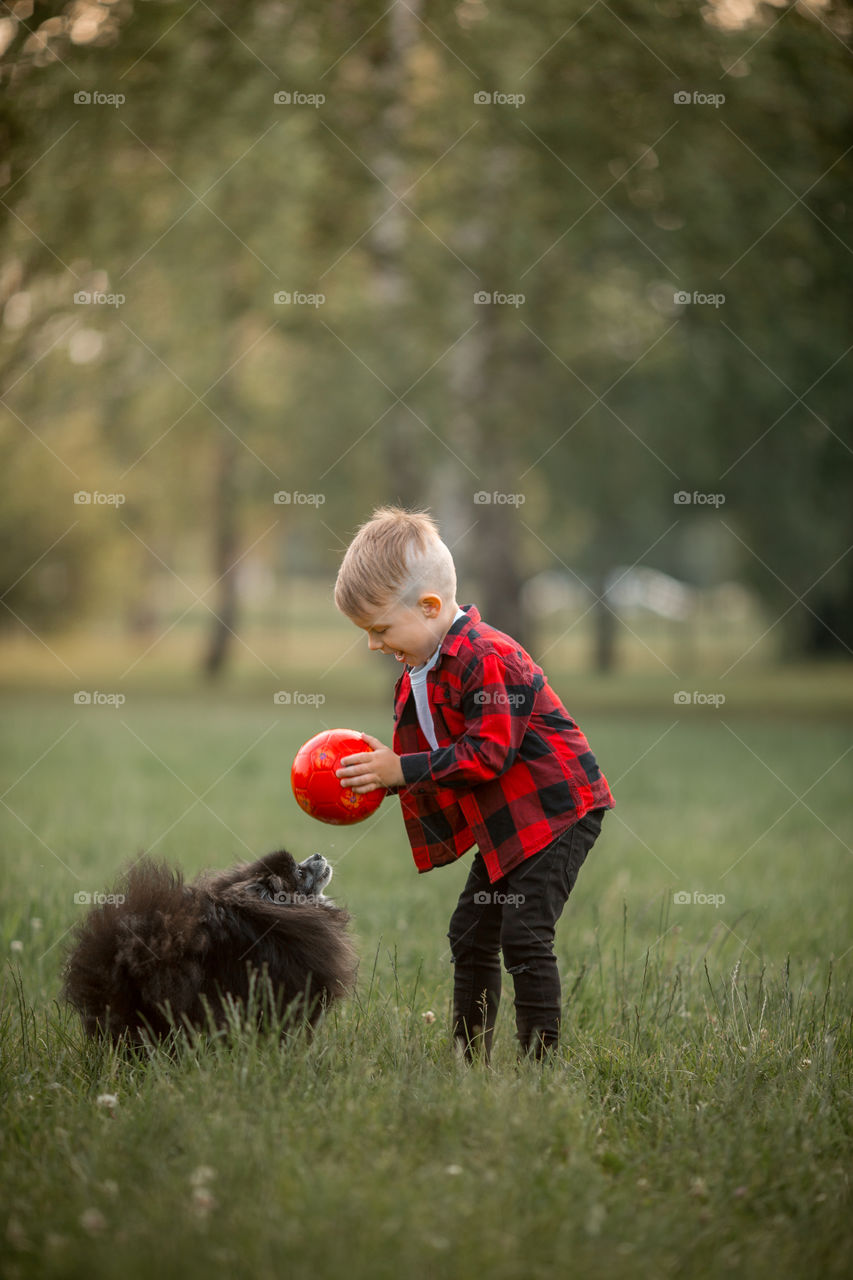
point(516, 915)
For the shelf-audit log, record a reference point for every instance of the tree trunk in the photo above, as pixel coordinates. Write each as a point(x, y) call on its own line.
point(487, 529)
point(225, 544)
point(828, 631)
point(499, 572)
point(604, 646)
point(387, 241)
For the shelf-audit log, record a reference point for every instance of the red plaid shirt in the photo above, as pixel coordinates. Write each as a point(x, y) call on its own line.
point(512, 769)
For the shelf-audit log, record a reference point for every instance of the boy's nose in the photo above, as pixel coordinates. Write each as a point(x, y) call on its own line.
point(373, 642)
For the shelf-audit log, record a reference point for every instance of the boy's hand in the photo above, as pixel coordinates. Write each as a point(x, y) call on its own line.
point(371, 769)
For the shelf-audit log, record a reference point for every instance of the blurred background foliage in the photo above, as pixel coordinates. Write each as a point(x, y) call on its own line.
point(185, 192)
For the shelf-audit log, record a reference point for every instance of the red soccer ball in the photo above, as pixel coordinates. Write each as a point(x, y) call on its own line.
point(315, 786)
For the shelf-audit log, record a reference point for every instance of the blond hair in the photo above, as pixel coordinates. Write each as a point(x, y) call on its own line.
point(395, 557)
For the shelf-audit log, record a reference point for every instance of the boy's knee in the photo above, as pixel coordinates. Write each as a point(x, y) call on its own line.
point(524, 948)
point(473, 939)
point(459, 925)
point(459, 938)
point(465, 947)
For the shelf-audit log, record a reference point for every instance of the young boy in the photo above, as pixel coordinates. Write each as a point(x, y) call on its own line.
point(483, 752)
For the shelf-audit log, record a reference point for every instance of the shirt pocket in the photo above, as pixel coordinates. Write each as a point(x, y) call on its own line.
point(447, 711)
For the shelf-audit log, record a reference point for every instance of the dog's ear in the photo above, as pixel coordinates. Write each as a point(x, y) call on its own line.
point(280, 864)
point(276, 870)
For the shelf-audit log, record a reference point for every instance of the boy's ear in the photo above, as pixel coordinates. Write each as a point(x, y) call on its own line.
point(430, 604)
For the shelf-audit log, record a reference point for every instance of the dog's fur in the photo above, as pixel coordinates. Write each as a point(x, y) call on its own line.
point(141, 965)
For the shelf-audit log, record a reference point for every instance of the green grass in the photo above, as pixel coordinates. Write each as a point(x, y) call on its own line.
point(696, 1122)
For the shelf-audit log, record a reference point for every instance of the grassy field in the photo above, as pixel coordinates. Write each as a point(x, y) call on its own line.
point(696, 1123)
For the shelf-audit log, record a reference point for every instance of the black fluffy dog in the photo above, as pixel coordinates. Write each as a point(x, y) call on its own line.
point(162, 947)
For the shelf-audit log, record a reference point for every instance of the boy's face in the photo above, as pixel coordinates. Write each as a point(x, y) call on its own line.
point(410, 632)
